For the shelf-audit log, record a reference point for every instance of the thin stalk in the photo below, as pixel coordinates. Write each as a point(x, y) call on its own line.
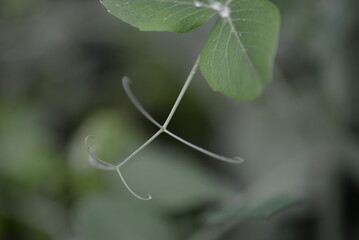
point(181, 94)
point(140, 148)
point(129, 157)
point(202, 150)
point(149, 197)
point(126, 85)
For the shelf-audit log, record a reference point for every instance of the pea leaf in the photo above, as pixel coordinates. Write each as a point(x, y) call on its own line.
point(160, 15)
point(237, 59)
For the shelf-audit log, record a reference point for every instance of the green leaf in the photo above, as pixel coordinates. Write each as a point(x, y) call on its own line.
point(237, 59)
point(159, 15)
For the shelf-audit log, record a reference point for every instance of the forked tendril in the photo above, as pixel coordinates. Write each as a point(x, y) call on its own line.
point(142, 110)
point(98, 163)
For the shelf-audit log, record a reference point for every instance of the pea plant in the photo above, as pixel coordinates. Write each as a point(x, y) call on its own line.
point(236, 60)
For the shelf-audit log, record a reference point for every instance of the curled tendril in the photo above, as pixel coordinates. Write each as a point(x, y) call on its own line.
point(94, 160)
point(126, 85)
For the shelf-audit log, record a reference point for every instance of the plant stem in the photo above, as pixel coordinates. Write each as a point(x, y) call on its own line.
point(180, 96)
point(202, 150)
point(126, 85)
point(149, 197)
point(140, 148)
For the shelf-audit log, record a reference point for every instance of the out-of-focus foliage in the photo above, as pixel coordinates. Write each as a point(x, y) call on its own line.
point(108, 218)
point(61, 63)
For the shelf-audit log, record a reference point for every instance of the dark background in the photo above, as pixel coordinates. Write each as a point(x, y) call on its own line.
point(61, 64)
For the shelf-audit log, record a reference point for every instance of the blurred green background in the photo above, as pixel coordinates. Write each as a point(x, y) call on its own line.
point(61, 64)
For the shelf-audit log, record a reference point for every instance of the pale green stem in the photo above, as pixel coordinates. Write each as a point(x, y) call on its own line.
point(140, 148)
point(129, 157)
point(180, 96)
point(202, 150)
point(129, 189)
point(126, 85)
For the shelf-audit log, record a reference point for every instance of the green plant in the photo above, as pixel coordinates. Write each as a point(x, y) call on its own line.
point(237, 59)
